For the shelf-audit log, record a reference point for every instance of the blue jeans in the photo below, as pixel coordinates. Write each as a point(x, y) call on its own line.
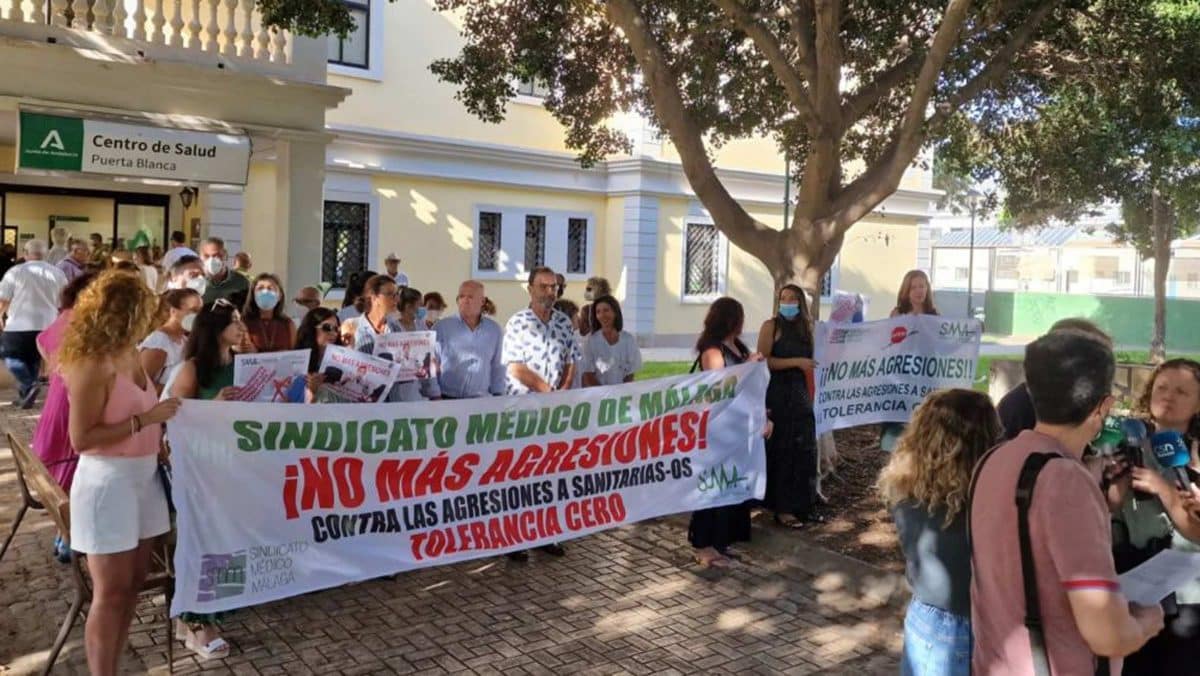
point(936, 642)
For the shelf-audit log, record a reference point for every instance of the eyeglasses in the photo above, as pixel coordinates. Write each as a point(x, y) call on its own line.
point(328, 328)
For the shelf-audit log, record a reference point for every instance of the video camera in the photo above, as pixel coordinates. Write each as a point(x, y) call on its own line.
point(1124, 438)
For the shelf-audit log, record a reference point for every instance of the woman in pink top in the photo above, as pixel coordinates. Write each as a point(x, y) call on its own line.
point(51, 439)
point(118, 505)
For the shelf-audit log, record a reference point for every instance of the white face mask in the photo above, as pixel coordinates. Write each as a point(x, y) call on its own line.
point(432, 316)
point(213, 266)
point(197, 284)
point(188, 321)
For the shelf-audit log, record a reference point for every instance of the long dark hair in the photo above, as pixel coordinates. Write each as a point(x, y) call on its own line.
point(354, 286)
point(253, 311)
point(66, 299)
point(204, 343)
point(801, 321)
point(306, 335)
point(725, 318)
point(618, 319)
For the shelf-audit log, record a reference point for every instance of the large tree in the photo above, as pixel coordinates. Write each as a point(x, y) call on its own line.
point(850, 90)
point(1116, 125)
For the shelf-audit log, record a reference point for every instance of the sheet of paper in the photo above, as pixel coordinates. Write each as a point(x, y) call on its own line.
point(271, 376)
point(1154, 580)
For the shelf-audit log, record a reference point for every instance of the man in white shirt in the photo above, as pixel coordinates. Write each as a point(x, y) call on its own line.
point(177, 251)
point(59, 237)
point(392, 265)
point(29, 295)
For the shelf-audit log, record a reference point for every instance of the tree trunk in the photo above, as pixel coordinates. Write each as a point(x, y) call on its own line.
point(1161, 228)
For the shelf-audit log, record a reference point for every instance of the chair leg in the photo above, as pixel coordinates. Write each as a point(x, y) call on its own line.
point(65, 630)
point(16, 524)
point(170, 593)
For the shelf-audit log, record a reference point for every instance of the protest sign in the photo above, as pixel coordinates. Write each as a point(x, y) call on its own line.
point(354, 376)
point(277, 500)
point(412, 351)
point(877, 372)
point(272, 376)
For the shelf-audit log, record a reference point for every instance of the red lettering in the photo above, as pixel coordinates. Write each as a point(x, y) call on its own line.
point(498, 470)
point(669, 433)
point(479, 535)
point(291, 477)
point(394, 479)
point(526, 462)
point(649, 438)
point(348, 472)
point(687, 431)
point(555, 450)
point(318, 484)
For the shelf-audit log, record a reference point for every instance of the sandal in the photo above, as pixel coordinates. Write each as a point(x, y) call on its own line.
point(216, 649)
point(718, 561)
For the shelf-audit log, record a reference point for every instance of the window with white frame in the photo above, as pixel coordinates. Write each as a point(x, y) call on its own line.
point(535, 87)
point(354, 50)
point(704, 256)
point(510, 241)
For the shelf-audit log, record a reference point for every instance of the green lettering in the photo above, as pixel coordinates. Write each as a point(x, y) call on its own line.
point(247, 431)
point(481, 428)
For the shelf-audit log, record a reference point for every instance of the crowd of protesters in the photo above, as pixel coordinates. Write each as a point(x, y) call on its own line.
point(123, 339)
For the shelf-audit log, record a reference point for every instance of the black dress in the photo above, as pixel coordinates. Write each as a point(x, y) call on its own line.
point(792, 448)
point(719, 527)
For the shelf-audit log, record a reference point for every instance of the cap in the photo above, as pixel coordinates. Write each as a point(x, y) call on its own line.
point(392, 257)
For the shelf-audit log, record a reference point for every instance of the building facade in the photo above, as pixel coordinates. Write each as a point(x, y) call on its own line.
point(357, 151)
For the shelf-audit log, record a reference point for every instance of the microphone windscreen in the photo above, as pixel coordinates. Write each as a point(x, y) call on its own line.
point(1170, 449)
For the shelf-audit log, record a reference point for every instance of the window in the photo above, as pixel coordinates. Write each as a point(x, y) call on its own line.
point(577, 245)
point(534, 87)
point(701, 260)
point(511, 241)
point(1193, 280)
point(354, 50)
point(489, 240)
point(961, 274)
point(535, 241)
point(1008, 266)
point(1124, 277)
point(344, 241)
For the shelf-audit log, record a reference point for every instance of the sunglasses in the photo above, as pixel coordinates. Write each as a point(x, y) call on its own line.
point(328, 328)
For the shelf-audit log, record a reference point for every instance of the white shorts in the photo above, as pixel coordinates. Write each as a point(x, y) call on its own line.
point(115, 502)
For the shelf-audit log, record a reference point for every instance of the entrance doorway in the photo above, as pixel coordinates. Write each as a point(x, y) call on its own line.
point(123, 219)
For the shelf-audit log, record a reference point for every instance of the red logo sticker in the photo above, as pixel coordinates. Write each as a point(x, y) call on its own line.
point(899, 334)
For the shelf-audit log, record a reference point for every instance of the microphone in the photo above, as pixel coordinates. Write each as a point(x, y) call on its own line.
point(1172, 452)
point(1134, 444)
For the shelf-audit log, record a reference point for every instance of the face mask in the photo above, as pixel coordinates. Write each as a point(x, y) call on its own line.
point(213, 266)
point(266, 299)
point(421, 313)
point(197, 284)
point(188, 321)
point(789, 310)
point(433, 315)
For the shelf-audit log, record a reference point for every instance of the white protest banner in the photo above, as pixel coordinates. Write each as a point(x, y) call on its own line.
point(356, 376)
point(877, 372)
point(413, 352)
point(276, 500)
point(271, 376)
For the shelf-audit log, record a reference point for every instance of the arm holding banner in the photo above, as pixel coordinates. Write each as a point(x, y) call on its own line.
point(527, 377)
point(88, 389)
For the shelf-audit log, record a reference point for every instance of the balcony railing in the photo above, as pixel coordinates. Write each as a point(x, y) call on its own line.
point(219, 32)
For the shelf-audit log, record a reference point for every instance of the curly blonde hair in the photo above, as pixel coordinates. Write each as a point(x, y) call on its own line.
point(1141, 409)
point(112, 315)
point(933, 461)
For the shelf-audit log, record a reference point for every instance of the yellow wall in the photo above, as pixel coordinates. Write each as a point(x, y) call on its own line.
point(261, 235)
point(430, 224)
point(411, 98)
point(31, 213)
point(749, 154)
point(874, 258)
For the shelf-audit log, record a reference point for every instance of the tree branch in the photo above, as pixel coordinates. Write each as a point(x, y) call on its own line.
point(829, 64)
point(876, 184)
point(800, 20)
point(731, 218)
point(773, 51)
point(857, 104)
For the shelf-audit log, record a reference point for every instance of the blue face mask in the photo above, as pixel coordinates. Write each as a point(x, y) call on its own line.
point(789, 310)
point(421, 314)
point(266, 299)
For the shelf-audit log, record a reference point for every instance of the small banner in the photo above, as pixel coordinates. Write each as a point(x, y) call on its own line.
point(276, 500)
point(878, 372)
point(413, 352)
point(356, 376)
point(271, 376)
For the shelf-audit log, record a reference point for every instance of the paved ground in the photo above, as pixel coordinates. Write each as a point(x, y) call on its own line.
point(624, 601)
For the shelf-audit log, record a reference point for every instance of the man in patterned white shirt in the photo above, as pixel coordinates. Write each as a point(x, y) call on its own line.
point(539, 342)
point(539, 353)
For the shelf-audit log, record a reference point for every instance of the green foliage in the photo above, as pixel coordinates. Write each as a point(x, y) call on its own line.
point(1117, 122)
point(313, 18)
